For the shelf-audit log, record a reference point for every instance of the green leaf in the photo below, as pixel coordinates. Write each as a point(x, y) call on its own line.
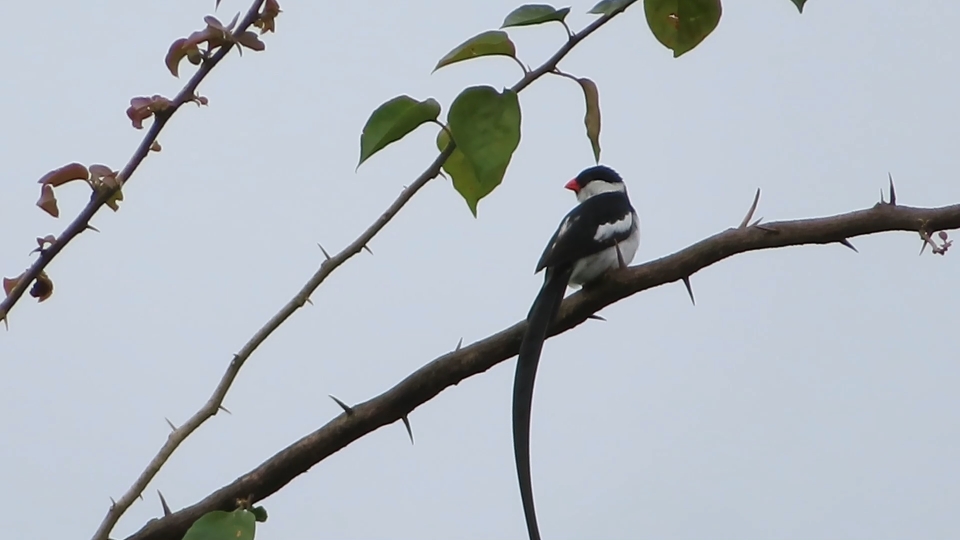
point(492, 42)
point(486, 127)
point(680, 25)
point(606, 7)
point(799, 4)
point(462, 175)
point(219, 525)
point(530, 14)
point(591, 119)
point(392, 121)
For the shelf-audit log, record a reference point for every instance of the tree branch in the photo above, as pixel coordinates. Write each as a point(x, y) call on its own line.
point(97, 200)
point(100, 197)
point(451, 368)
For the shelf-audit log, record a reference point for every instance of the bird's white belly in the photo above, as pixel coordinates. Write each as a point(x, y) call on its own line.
point(592, 267)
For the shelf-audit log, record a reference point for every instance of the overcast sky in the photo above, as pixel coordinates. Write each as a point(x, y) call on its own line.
point(811, 393)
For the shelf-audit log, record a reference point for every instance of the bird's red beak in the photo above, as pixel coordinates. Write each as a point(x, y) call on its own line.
point(573, 186)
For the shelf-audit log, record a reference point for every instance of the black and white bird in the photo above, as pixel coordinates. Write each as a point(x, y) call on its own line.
point(599, 234)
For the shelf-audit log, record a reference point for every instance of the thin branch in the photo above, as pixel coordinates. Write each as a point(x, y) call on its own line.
point(100, 197)
point(299, 300)
point(453, 367)
point(81, 222)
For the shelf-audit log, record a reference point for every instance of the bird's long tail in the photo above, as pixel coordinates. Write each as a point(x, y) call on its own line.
point(541, 316)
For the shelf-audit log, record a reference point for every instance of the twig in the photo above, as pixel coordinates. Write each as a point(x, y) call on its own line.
point(82, 222)
point(453, 367)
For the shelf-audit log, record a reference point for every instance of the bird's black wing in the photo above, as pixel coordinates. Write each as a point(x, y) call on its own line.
point(598, 223)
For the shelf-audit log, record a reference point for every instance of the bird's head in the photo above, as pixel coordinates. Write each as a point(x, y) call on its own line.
point(594, 181)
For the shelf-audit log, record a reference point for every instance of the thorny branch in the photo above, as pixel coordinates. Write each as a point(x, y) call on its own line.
point(453, 367)
point(97, 200)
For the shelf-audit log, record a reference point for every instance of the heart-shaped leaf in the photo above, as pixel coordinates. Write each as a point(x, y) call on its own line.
point(219, 525)
point(680, 25)
point(530, 14)
point(485, 124)
point(490, 43)
point(392, 121)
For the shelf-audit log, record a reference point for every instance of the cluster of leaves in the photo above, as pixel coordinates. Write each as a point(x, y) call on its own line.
point(484, 124)
point(201, 44)
point(98, 177)
point(143, 107)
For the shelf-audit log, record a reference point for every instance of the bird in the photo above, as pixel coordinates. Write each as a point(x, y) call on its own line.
point(600, 234)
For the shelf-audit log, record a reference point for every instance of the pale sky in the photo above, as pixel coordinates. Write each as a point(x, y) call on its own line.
point(810, 394)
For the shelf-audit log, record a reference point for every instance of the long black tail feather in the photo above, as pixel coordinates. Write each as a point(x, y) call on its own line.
point(541, 316)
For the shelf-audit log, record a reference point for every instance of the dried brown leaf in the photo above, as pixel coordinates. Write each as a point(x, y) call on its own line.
point(42, 242)
point(266, 22)
point(47, 201)
point(10, 283)
point(178, 49)
point(42, 287)
point(214, 22)
point(67, 173)
point(591, 119)
point(99, 171)
point(114, 201)
point(143, 107)
point(251, 41)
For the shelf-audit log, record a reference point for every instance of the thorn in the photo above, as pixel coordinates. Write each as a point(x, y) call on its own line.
point(224, 409)
point(91, 227)
point(113, 503)
point(596, 317)
point(406, 424)
point(309, 301)
point(767, 228)
point(169, 423)
point(368, 249)
point(881, 197)
point(686, 283)
point(459, 344)
point(620, 256)
point(927, 240)
point(325, 254)
point(756, 221)
point(140, 495)
point(847, 243)
point(163, 503)
point(753, 208)
point(346, 408)
point(893, 192)
point(923, 246)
